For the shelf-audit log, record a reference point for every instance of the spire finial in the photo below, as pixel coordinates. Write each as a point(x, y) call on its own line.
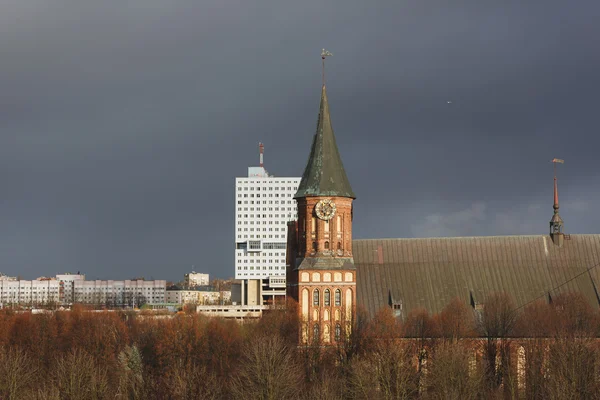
point(556, 223)
point(556, 161)
point(324, 53)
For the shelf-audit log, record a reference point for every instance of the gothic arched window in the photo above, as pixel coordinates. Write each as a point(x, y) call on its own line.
point(314, 246)
point(326, 245)
point(316, 332)
point(338, 332)
point(327, 297)
point(316, 297)
point(338, 297)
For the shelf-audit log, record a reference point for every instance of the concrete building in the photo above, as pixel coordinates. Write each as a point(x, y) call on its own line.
point(67, 284)
point(196, 279)
point(231, 312)
point(128, 293)
point(29, 293)
point(264, 204)
point(73, 288)
point(200, 295)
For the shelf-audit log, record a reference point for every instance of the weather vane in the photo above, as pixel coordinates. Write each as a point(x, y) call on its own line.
point(557, 161)
point(324, 54)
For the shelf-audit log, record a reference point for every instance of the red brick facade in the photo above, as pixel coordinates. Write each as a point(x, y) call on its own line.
point(326, 296)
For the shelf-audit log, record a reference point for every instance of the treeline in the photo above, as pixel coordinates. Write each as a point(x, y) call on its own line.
point(540, 351)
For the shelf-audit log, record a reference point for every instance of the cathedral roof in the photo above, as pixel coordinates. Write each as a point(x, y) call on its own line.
point(428, 273)
point(324, 174)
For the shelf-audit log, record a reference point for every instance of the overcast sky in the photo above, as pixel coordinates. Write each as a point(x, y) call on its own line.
point(124, 124)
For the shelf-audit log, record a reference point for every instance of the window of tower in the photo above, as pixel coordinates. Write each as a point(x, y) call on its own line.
point(338, 297)
point(316, 332)
point(327, 299)
point(316, 297)
point(326, 245)
point(314, 246)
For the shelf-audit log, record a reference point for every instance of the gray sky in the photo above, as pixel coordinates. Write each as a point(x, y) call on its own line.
point(124, 124)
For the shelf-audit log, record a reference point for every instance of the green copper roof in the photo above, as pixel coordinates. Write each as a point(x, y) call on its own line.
point(324, 174)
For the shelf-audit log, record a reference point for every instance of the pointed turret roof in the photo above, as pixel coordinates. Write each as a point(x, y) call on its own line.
point(324, 174)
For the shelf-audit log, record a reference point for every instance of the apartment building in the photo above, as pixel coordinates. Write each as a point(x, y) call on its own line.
point(264, 204)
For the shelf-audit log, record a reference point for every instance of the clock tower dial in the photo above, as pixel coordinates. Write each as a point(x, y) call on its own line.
point(325, 209)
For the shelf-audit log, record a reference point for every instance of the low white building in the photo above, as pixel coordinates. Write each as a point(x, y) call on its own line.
point(128, 293)
point(191, 296)
point(29, 293)
point(73, 288)
point(67, 284)
point(196, 279)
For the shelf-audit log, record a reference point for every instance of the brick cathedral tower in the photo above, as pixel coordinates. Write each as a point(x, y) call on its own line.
point(321, 275)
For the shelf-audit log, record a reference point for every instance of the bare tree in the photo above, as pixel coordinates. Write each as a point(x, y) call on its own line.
point(420, 327)
point(267, 371)
point(193, 381)
point(77, 376)
point(573, 369)
point(495, 325)
point(575, 316)
point(456, 320)
point(449, 376)
point(385, 373)
point(17, 373)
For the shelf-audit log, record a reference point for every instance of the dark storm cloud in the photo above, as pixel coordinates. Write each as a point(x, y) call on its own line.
point(123, 125)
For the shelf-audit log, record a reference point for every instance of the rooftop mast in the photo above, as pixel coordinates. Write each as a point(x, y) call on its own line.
point(261, 149)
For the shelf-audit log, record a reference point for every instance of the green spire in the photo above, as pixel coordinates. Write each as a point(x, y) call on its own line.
point(324, 174)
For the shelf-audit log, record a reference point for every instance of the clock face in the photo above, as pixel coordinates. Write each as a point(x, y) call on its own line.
point(325, 209)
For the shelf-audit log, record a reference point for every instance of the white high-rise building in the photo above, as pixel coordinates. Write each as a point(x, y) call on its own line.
point(264, 204)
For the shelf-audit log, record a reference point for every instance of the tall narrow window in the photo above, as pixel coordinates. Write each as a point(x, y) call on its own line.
point(338, 332)
point(327, 297)
point(339, 227)
point(316, 297)
point(339, 245)
point(326, 224)
point(326, 245)
point(314, 246)
point(314, 225)
point(338, 297)
point(316, 333)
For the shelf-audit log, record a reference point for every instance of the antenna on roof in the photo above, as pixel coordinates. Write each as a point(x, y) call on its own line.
point(324, 54)
point(261, 149)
